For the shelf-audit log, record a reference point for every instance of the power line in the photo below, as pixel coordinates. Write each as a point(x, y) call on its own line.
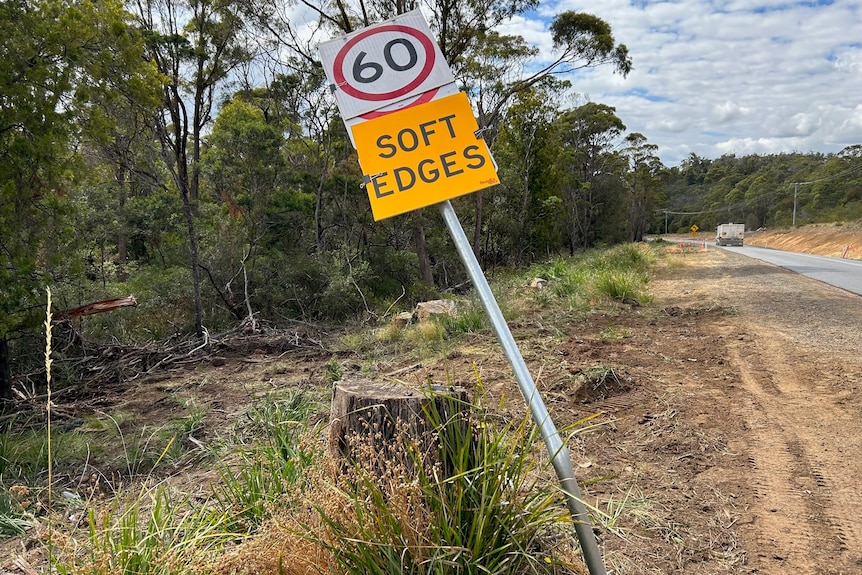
point(695, 213)
point(846, 172)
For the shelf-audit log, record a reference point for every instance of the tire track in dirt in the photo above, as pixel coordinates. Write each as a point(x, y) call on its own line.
point(805, 516)
point(781, 542)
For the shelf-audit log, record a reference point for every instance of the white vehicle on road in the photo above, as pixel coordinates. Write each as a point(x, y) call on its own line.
point(729, 234)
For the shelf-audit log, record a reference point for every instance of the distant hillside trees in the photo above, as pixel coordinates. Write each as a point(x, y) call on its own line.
point(763, 191)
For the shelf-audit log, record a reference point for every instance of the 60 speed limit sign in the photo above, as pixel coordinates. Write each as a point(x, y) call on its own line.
point(384, 64)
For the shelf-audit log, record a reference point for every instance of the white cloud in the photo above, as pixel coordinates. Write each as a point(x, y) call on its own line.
point(728, 111)
point(849, 60)
point(728, 76)
point(847, 131)
point(533, 30)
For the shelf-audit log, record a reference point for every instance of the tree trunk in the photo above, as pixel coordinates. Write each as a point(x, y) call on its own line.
point(318, 203)
point(371, 422)
point(193, 253)
point(121, 218)
point(426, 274)
point(180, 171)
point(477, 228)
point(523, 229)
point(95, 307)
point(5, 371)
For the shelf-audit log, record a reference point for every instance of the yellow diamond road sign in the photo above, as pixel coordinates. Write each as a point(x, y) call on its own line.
point(423, 155)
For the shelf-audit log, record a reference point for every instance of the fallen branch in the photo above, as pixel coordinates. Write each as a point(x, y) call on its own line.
point(96, 307)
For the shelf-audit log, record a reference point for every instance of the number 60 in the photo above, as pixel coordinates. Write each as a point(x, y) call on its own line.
point(368, 72)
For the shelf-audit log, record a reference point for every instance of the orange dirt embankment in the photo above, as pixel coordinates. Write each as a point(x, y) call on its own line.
point(837, 240)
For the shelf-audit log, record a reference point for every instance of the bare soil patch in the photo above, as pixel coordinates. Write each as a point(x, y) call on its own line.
point(750, 420)
point(730, 407)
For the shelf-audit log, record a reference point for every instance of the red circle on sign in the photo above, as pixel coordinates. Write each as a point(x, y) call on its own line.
point(341, 81)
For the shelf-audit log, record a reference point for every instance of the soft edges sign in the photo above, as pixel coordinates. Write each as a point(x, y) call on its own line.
point(423, 155)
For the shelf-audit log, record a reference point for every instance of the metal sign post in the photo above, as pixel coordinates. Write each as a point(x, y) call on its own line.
point(553, 442)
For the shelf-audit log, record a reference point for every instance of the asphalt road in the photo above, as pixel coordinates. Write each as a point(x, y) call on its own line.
point(845, 274)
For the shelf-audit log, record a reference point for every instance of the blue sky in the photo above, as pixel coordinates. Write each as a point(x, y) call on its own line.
point(726, 76)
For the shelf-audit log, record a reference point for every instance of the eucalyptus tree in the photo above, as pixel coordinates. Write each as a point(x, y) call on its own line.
point(34, 80)
point(590, 167)
point(318, 149)
point(643, 180)
point(523, 216)
point(851, 164)
point(118, 96)
point(60, 59)
point(196, 45)
point(265, 208)
point(492, 67)
point(488, 73)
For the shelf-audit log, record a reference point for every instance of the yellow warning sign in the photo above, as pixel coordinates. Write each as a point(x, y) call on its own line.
point(423, 155)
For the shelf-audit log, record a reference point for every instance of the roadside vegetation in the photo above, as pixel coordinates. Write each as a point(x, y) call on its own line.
point(263, 495)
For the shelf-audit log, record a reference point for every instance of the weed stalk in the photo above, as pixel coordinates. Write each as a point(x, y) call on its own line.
point(48, 360)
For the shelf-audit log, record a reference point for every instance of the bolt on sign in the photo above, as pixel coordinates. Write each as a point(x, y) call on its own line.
point(423, 155)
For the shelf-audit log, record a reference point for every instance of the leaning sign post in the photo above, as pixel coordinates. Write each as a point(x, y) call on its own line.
point(419, 145)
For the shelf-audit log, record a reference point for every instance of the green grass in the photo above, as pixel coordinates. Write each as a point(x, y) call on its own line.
point(24, 452)
point(14, 518)
point(613, 332)
point(469, 318)
point(271, 464)
point(159, 531)
point(621, 285)
point(596, 276)
point(154, 532)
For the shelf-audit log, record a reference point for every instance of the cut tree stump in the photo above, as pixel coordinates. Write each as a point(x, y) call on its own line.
point(371, 422)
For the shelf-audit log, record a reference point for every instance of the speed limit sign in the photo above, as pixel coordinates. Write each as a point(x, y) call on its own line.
point(384, 64)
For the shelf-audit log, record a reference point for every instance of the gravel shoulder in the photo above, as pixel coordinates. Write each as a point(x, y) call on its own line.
point(730, 416)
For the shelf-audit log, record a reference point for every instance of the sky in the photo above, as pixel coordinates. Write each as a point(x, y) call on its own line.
point(715, 77)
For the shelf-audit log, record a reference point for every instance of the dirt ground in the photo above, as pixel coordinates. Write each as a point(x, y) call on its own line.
point(745, 423)
point(730, 427)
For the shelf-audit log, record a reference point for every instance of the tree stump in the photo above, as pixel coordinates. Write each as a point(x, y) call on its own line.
point(381, 425)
